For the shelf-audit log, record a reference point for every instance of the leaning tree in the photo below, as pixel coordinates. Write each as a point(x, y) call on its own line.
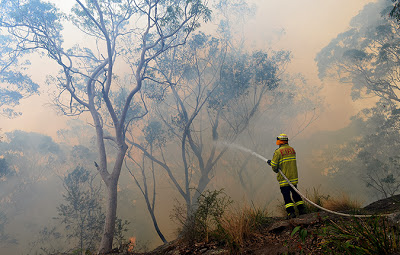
point(122, 39)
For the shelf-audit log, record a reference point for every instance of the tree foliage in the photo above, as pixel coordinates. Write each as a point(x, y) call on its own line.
point(16, 84)
point(29, 158)
point(5, 238)
point(366, 55)
point(395, 11)
point(213, 91)
point(376, 151)
point(79, 224)
point(29, 162)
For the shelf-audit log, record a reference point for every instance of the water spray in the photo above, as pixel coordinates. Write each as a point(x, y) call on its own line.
point(238, 147)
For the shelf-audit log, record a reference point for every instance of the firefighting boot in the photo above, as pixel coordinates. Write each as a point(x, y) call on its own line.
point(302, 209)
point(291, 216)
point(290, 211)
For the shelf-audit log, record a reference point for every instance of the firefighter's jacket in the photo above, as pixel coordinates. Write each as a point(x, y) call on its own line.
point(285, 159)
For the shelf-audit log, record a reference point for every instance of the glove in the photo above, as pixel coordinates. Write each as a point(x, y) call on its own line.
point(275, 170)
point(269, 162)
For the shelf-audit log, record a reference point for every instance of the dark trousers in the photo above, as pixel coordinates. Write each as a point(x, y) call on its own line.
point(292, 199)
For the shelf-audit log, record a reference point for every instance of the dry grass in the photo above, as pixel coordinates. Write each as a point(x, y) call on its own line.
point(239, 224)
point(317, 197)
point(236, 226)
point(342, 203)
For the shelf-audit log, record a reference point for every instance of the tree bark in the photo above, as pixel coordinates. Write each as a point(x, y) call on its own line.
point(111, 207)
point(111, 212)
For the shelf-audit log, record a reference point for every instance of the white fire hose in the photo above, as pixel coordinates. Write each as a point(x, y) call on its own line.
point(295, 189)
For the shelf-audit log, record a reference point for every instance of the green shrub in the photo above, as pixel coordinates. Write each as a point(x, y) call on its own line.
point(211, 206)
point(205, 221)
point(361, 236)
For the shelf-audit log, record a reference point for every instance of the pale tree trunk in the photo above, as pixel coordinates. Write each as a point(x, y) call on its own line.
point(111, 182)
point(111, 212)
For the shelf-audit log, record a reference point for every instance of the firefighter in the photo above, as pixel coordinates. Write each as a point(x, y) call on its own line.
point(285, 159)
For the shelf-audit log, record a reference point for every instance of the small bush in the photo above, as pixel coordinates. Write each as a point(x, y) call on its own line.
point(212, 221)
point(211, 206)
point(205, 221)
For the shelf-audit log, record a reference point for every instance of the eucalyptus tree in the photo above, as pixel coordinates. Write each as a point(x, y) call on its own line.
point(5, 169)
point(120, 35)
point(5, 239)
point(81, 212)
point(5, 172)
point(212, 93)
point(367, 54)
point(395, 11)
point(367, 57)
point(30, 158)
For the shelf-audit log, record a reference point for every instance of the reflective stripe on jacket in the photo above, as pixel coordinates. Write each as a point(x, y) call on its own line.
point(285, 159)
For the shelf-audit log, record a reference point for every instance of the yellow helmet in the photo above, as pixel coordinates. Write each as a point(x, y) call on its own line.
point(282, 137)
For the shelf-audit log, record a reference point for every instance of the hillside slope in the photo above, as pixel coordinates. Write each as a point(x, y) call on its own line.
point(304, 234)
